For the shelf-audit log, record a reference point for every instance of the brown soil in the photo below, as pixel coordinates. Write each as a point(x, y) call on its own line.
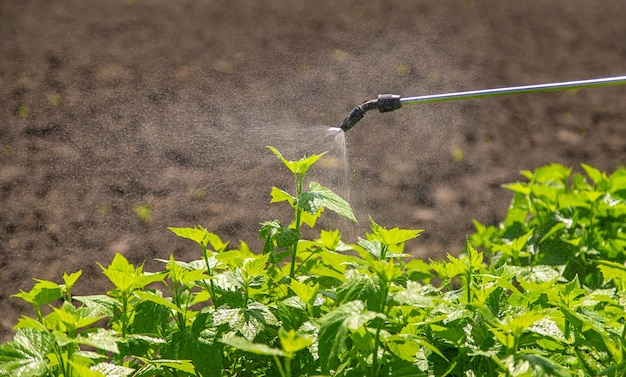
point(110, 105)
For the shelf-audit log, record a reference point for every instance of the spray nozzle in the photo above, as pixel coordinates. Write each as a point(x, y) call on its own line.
point(384, 103)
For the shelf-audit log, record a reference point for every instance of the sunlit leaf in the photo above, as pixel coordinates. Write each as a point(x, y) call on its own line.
point(319, 197)
point(71, 279)
point(335, 328)
point(43, 292)
point(25, 356)
point(248, 346)
point(279, 195)
point(293, 342)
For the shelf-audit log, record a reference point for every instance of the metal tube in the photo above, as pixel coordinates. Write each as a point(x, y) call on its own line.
point(514, 90)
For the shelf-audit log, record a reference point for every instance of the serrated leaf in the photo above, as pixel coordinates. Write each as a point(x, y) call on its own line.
point(249, 321)
point(274, 231)
point(362, 288)
point(293, 342)
point(335, 328)
point(612, 270)
point(403, 347)
point(597, 176)
point(537, 365)
point(319, 197)
point(112, 370)
point(84, 370)
point(300, 167)
point(102, 303)
point(25, 356)
point(103, 339)
point(150, 296)
point(159, 367)
point(185, 366)
point(71, 279)
point(254, 266)
point(279, 195)
point(393, 236)
point(518, 187)
point(26, 322)
point(202, 237)
point(248, 346)
point(188, 352)
point(72, 318)
point(306, 292)
point(43, 292)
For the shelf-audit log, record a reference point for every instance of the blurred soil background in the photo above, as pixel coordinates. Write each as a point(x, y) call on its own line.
point(120, 118)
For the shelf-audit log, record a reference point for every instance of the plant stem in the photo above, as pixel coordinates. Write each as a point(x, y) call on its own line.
point(288, 366)
point(297, 222)
point(375, 365)
point(208, 269)
point(280, 367)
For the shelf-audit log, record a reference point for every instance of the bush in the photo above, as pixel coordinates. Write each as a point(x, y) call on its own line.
point(545, 296)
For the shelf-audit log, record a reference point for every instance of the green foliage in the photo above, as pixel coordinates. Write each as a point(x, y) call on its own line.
point(562, 219)
point(541, 295)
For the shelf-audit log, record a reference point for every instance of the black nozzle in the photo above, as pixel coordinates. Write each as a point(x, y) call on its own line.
point(384, 103)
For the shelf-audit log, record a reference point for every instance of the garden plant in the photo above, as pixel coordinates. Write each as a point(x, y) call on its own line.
point(542, 294)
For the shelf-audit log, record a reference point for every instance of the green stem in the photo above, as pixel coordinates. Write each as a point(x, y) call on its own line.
point(64, 366)
point(208, 269)
point(297, 222)
point(375, 364)
point(280, 367)
point(124, 315)
point(287, 366)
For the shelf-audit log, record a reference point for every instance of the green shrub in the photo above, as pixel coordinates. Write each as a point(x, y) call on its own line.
point(325, 308)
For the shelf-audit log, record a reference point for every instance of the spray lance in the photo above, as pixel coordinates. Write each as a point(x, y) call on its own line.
point(390, 102)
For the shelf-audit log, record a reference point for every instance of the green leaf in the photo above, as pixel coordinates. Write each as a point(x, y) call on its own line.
point(43, 292)
point(202, 237)
point(393, 236)
point(71, 279)
point(126, 277)
point(153, 297)
point(253, 267)
point(361, 287)
point(84, 370)
point(291, 165)
point(300, 167)
point(277, 236)
point(612, 271)
point(112, 370)
point(335, 328)
point(597, 176)
point(403, 347)
point(248, 346)
point(248, 321)
point(25, 356)
point(185, 366)
point(187, 352)
point(102, 339)
point(29, 323)
point(518, 187)
point(150, 318)
point(306, 292)
point(279, 195)
point(293, 342)
point(532, 364)
point(319, 197)
point(163, 367)
point(102, 303)
point(71, 318)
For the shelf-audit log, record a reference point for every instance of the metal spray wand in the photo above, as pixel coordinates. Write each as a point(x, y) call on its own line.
point(390, 102)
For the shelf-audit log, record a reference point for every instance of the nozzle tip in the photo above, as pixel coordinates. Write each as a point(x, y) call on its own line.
point(355, 115)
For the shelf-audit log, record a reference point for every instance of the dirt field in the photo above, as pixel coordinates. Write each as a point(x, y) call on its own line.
point(110, 107)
